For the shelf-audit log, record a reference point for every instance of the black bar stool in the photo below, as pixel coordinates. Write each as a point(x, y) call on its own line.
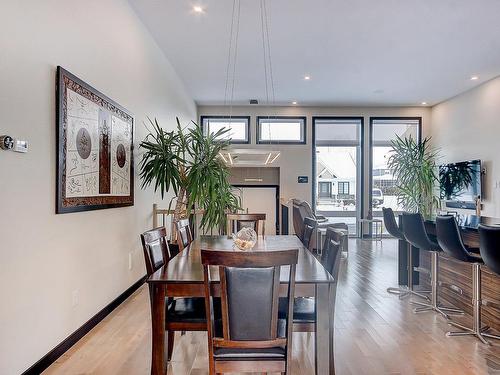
point(489, 248)
point(395, 231)
point(450, 240)
point(415, 234)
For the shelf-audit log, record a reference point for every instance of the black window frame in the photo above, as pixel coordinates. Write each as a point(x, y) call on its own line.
point(283, 142)
point(225, 117)
point(370, 144)
point(360, 179)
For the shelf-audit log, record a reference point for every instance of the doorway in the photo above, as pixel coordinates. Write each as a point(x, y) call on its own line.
point(261, 199)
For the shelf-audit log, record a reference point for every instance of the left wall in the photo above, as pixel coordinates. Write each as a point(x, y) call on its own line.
point(45, 258)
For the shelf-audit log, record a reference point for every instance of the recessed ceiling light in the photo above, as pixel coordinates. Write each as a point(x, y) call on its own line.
point(294, 103)
point(198, 9)
point(474, 78)
point(424, 103)
point(307, 78)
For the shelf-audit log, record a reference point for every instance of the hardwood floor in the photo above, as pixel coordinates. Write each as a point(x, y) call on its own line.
point(376, 333)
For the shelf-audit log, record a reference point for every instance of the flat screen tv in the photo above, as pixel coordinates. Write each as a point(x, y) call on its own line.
point(460, 183)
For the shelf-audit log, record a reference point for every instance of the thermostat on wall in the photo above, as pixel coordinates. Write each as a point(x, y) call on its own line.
point(20, 146)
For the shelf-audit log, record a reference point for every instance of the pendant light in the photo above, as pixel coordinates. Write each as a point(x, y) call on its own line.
point(245, 156)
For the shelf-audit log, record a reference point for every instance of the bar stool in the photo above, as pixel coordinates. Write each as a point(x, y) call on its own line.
point(450, 240)
point(393, 229)
point(489, 239)
point(415, 234)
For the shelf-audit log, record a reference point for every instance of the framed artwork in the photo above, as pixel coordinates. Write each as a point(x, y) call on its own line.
point(95, 144)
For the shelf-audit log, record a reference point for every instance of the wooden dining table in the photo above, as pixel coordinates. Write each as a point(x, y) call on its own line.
point(182, 276)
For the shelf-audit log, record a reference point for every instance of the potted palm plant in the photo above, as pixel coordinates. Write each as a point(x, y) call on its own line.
point(413, 165)
point(187, 162)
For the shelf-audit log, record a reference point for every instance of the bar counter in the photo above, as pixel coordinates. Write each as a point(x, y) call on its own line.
point(458, 273)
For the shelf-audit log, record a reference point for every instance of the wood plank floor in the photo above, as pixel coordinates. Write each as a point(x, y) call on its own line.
point(376, 333)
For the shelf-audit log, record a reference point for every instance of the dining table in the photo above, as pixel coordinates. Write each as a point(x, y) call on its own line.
point(182, 276)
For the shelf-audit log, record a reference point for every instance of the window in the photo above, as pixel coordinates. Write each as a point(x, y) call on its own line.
point(383, 184)
point(284, 130)
point(343, 188)
point(239, 127)
point(338, 159)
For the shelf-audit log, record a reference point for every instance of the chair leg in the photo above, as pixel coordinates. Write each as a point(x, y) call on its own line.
point(434, 306)
point(170, 344)
point(477, 330)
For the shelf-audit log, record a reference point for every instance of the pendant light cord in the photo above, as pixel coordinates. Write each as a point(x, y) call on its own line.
point(232, 56)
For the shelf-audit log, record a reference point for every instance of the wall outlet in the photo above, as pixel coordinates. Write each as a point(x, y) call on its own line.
point(74, 298)
point(129, 261)
point(497, 184)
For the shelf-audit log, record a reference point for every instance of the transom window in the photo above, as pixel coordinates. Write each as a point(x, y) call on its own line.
point(238, 126)
point(284, 130)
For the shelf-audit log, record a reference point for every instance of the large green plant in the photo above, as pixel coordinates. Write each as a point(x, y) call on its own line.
point(187, 161)
point(413, 165)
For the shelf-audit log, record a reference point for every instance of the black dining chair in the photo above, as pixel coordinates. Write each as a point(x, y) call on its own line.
point(309, 226)
point(394, 230)
point(182, 314)
point(250, 337)
point(450, 240)
point(489, 238)
point(304, 308)
point(415, 233)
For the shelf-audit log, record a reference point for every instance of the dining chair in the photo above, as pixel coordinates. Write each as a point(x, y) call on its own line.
point(183, 314)
point(184, 234)
point(250, 337)
point(310, 225)
point(330, 259)
point(304, 308)
point(235, 222)
point(301, 210)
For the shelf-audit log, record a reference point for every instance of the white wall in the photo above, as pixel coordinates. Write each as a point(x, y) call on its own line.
point(45, 257)
point(468, 127)
point(295, 160)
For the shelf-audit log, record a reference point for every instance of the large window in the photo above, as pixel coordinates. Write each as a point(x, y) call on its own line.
point(284, 130)
point(383, 184)
point(337, 150)
point(239, 127)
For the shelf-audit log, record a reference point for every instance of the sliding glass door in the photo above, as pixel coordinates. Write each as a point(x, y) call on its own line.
point(337, 164)
point(382, 183)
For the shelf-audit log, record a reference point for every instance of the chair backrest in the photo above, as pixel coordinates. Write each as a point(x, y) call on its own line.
point(415, 233)
point(450, 239)
point(236, 222)
point(184, 234)
point(310, 225)
point(332, 250)
point(301, 210)
point(489, 238)
point(249, 285)
point(155, 247)
point(390, 223)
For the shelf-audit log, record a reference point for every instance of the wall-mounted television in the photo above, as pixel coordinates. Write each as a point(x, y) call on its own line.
point(460, 183)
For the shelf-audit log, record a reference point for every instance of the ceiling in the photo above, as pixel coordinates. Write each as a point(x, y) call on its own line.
point(357, 52)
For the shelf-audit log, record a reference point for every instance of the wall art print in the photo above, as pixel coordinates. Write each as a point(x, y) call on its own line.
point(95, 143)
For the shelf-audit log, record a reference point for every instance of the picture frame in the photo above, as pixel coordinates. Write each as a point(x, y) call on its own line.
point(95, 148)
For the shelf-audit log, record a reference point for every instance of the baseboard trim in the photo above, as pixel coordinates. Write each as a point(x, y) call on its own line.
point(72, 339)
